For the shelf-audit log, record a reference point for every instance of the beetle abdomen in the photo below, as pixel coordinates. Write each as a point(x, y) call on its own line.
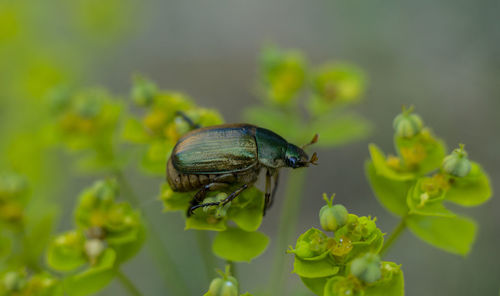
point(217, 149)
point(181, 182)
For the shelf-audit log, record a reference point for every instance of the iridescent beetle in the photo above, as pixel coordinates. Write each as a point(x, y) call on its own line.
point(231, 156)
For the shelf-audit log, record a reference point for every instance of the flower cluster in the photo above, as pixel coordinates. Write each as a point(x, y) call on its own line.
point(416, 183)
point(285, 79)
point(345, 263)
point(163, 123)
point(19, 283)
point(87, 121)
point(107, 233)
point(245, 212)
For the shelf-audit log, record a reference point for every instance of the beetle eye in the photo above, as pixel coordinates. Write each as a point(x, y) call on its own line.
point(292, 161)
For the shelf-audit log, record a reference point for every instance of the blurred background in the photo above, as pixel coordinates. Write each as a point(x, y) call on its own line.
point(442, 56)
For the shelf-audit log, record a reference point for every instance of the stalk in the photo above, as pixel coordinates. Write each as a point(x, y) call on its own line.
point(232, 268)
point(286, 230)
point(394, 236)
point(205, 247)
point(127, 284)
point(164, 262)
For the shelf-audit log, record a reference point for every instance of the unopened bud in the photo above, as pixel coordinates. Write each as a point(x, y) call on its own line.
point(367, 268)
point(332, 217)
point(457, 163)
point(406, 124)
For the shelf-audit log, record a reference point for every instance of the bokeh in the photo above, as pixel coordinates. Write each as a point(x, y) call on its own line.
point(441, 56)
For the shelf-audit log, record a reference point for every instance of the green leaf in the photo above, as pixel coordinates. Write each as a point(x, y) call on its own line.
point(174, 201)
point(66, 252)
point(471, 190)
point(315, 269)
point(238, 245)
point(126, 251)
point(207, 219)
point(247, 209)
point(93, 279)
point(452, 234)
point(339, 130)
point(381, 167)
point(317, 285)
point(391, 284)
point(431, 207)
point(390, 193)
point(155, 159)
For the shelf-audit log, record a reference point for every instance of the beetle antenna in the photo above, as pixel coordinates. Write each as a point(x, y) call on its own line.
point(314, 140)
point(314, 159)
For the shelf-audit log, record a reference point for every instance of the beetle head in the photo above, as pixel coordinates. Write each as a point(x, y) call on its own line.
point(295, 157)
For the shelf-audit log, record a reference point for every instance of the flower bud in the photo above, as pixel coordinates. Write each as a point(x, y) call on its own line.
point(223, 287)
point(367, 268)
point(406, 124)
point(457, 163)
point(332, 217)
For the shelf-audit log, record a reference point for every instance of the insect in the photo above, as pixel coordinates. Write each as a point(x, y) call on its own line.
point(231, 156)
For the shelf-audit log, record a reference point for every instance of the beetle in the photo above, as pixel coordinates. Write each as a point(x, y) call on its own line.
point(230, 156)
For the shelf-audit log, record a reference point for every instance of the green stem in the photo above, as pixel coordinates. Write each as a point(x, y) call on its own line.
point(127, 284)
point(205, 247)
point(286, 230)
point(162, 258)
point(395, 235)
point(232, 268)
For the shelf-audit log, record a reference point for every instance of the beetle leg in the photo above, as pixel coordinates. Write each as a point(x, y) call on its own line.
point(188, 120)
point(275, 188)
point(268, 191)
point(200, 195)
point(223, 202)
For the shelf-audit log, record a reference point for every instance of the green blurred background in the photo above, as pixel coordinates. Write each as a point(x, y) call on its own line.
point(442, 56)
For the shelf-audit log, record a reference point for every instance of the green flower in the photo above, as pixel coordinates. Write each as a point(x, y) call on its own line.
point(161, 125)
point(310, 244)
point(282, 73)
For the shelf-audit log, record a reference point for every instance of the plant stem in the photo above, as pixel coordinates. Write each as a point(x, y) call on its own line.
point(395, 234)
point(205, 249)
point(127, 284)
point(286, 229)
point(165, 263)
point(232, 268)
